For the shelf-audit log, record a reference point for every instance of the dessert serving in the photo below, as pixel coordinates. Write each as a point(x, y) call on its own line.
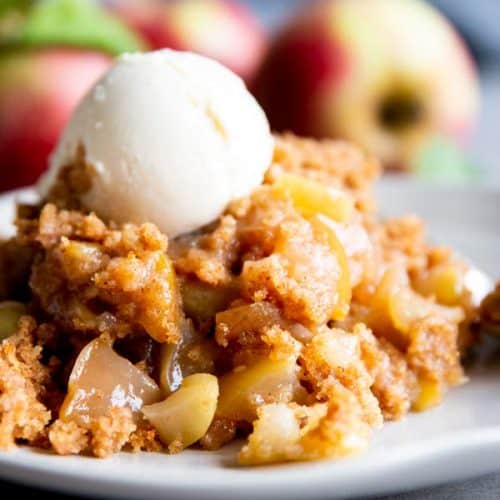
point(187, 280)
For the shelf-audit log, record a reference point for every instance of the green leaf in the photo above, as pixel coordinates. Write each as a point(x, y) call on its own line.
point(441, 160)
point(73, 23)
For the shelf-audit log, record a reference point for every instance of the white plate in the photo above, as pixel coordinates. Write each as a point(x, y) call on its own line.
point(456, 441)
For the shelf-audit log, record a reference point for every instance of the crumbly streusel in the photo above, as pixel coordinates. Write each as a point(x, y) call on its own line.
point(351, 321)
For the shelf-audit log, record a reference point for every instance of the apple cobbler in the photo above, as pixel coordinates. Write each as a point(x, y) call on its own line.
point(298, 321)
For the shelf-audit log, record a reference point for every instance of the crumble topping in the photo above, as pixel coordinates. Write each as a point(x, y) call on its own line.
point(317, 328)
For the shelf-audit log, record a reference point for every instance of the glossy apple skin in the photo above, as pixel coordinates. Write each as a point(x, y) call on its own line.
point(335, 66)
point(38, 92)
point(224, 30)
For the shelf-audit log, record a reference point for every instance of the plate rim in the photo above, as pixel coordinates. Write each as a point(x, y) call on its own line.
point(40, 472)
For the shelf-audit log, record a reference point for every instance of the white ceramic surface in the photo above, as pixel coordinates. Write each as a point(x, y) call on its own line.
point(458, 440)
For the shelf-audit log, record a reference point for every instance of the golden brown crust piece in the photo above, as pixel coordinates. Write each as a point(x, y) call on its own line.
point(73, 181)
point(145, 438)
point(68, 438)
point(105, 436)
point(334, 163)
point(110, 433)
point(22, 383)
point(93, 279)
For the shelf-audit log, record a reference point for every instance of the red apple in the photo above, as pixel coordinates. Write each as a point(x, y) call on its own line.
point(38, 91)
point(386, 74)
point(224, 30)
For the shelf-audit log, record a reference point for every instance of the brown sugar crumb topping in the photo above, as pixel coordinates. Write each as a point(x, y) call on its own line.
point(319, 323)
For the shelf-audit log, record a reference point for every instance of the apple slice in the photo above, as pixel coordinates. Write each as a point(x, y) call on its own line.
point(185, 416)
point(323, 230)
point(310, 197)
point(101, 380)
point(247, 387)
point(430, 394)
point(395, 307)
point(445, 282)
point(321, 204)
point(194, 353)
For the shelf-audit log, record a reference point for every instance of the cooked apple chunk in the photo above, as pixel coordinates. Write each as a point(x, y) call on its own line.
point(185, 416)
point(101, 380)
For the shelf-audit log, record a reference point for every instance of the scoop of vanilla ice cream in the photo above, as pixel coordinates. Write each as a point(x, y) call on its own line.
point(172, 137)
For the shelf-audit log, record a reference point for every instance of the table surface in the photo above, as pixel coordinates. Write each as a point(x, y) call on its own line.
point(484, 488)
point(485, 147)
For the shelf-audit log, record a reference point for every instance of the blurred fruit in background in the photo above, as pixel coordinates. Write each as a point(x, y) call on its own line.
point(51, 52)
point(224, 30)
point(390, 75)
point(38, 91)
